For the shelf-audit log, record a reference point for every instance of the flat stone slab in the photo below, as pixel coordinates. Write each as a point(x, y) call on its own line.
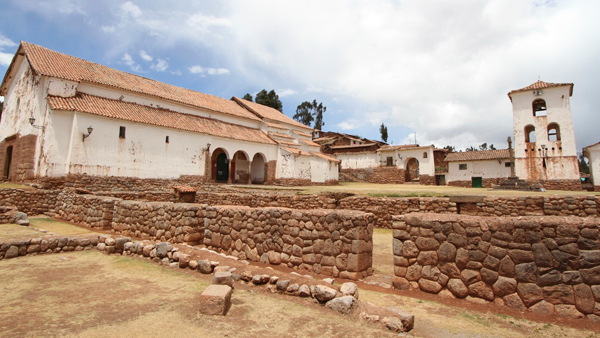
point(215, 300)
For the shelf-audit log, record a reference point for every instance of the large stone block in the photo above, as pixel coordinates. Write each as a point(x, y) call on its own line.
point(215, 300)
point(359, 262)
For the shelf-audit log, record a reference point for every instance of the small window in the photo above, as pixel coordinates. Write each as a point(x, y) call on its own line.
point(425, 155)
point(529, 134)
point(121, 132)
point(462, 166)
point(553, 132)
point(167, 139)
point(507, 164)
point(390, 161)
point(539, 107)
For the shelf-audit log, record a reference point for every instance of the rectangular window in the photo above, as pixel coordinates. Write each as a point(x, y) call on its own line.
point(507, 164)
point(121, 132)
point(462, 166)
point(390, 161)
point(167, 139)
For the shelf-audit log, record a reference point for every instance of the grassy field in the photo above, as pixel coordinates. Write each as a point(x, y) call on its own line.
point(13, 231)
point(415, 190)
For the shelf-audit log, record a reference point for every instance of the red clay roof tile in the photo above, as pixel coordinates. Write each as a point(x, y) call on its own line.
point(478, 155)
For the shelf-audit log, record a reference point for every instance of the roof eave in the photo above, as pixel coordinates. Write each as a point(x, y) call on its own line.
point(12, 69)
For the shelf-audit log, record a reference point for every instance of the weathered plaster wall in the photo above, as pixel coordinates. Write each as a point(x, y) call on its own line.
point(358, 160)
point(484, 169)
point(541, 264)
point(529, 155)
point(593, 155)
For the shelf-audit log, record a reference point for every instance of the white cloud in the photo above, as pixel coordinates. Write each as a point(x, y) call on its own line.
point(108, 29)
point(349, 124)
point(285, 92)
point(129, 8)
point(203, 71)
point(128, 60)
point(145, 55)
point(5, 58)
point(176, 72)
point(160, 65)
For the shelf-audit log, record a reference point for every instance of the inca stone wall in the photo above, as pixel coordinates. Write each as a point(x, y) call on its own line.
point(32, 202)
point(335, 243)
point(382, 175)
point(89, 210)
point(543, 264)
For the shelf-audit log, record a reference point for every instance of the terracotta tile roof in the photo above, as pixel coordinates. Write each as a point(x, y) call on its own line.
point(288, 143)
point(302, 133)
point(324, 139)
point(310, 143)
point(478, 155)
point(292, 150)
point(276, 126)
point(541, 85)
point(54, 64)
point(275, 134)
point(328, 158)
point(156, 116)
point(268, 113)
point(403, 147)
point(348, 146)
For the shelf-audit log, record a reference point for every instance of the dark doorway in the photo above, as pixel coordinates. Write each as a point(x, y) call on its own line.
point(477, 182)
point(8, 161)
point(222, 168)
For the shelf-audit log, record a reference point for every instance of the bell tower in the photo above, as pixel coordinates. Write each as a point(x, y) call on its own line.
point(544, 139)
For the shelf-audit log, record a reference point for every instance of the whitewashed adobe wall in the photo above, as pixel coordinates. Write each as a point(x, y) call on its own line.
point(561, 156)
point(593, 155)
point(426, 165)
point(484, 169)
point(358, 160)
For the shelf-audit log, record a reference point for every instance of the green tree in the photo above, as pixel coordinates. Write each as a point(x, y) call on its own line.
point(471, 149)
point(450, 148)
point(270, 99)
point(247, 97)
point(384, 132)
point(307, 112)
point(583, 165)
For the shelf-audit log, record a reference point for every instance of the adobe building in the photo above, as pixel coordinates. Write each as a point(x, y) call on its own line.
point(592, 153)
point(63, 115)
point(544, 138)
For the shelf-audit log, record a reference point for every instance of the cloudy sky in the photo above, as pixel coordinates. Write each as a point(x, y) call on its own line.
point(440, 69)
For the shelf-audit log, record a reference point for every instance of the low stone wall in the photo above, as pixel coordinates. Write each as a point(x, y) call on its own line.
point(89, 210)
point(485, 183)
point(48, 244)
point(160, 221)
point(426, 180)
point(256, 200)
point(335, 243)
point(114, 183)
point(543, 264)
point(154, 196)
point(296, 182)
point(568, 185)
point(31, 202)
point(382, 175)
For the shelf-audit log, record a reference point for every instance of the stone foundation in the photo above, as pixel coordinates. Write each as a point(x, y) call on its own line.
point(541, 264)
point(381, 175)
point(486, 183)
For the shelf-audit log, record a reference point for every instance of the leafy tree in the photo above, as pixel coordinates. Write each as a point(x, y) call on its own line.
point(583, 165)
point(247, 97)
point(270, 99)
point(450, 148)
point(471, 149)
point(492, 147)
point(384, 132)
point(483, 146)
point(307, 112)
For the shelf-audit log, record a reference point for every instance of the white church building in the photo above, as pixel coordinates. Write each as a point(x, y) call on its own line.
point(65, 115)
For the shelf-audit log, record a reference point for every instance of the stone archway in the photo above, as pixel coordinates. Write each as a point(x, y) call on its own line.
point(412, 169)
point(220, 166)
point(240, 168)
point(258, 169)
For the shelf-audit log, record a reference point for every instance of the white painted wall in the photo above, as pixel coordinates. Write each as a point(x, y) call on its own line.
point(358, 160)
point(558, 111)
point(484, 169)
point(593, 155)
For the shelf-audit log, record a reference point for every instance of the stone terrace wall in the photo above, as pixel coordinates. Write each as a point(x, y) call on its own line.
point(89, 210)
point(569, 185)
point(114, 183)
point(173, 222)
point(544, 264)
point(383, 175)
point(32, 202)
point(256, 200)
point(335, 243)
